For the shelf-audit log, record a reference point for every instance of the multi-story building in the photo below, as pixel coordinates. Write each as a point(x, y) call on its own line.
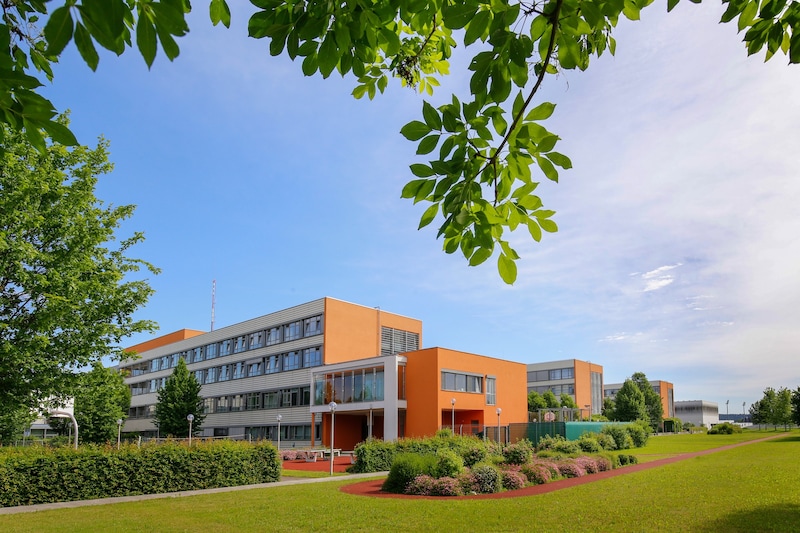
point(698, 412)
point(665, 390)
point(580, 379)
point(296, 362)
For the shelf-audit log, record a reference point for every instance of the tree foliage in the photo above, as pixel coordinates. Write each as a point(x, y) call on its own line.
point(535, 402)
point(795, 400)
point(178, 398)
point(652, 400)
point(550, 400)
point(67, 296)
point(101, 398)
point(486, 151)
point(629, 403)
point(568, 401)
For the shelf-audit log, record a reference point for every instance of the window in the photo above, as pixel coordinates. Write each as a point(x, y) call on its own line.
point(456, 381)
point(196, 354)
point(211, 375)
point(211, 351)
point(155, 365)
point(238, 370)
point(173, 360)
point(272, 364)
point(225, 347)
point(208, 405)
point(448, 381)
point(271, 400)
point(198, 375)
point(254, 368)
point(273, 336)
point(292, 331)
point(224, 373)
point(555, 374)
point(491, 391)
point(312, 326)
point(223, 404)
point(220, 432)
point(256, 340)
point(237, 402)
point(240, 344)
point(474, 384)
point(253, 400)
point(312, 357)
point(291, 361)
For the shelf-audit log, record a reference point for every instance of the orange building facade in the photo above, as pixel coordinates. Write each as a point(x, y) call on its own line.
point(582, 380)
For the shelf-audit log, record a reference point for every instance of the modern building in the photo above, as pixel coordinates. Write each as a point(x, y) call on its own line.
point(665, 390)
point(296, 362)
point(698, 412)
point(580, 379)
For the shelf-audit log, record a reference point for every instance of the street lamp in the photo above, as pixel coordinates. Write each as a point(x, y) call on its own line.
point(279, 417)
point(453, 415)
point(727, 410)
point(119, 430)
point(589, 408)
point(743, 413)
point(498, 424)
point(67, 414)
point(190, 418)
point(332, 407)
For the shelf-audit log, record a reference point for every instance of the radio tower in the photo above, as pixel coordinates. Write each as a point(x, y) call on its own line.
point(213, 301)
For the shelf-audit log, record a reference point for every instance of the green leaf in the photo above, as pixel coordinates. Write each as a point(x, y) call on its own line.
point(477, 27)
point(415, 130)
point(548, 225)
point(428, 216)
point(146, 40)
point(411, 188)
point(548, 168)
point(58, 31)
point(560, 160)
point(83, 41)
point(671, 4)
point(60, 133)
point(507, 269)
point(220, 12)
point(548, 143)
point(541, 111)
point(328, 55)
point(428, 144)
point(431, 116)
point(422, 171)
point(479, 256)
point(535, 230)
point(458, 15)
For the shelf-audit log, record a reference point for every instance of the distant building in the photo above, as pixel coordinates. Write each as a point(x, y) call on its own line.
point(580, 379)
point(698, 412)
point(665, 390)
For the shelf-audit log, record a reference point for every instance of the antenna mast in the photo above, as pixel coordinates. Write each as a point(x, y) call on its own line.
point(213, 301)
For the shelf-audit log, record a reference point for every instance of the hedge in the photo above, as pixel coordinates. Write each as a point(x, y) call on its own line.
point(45, 475)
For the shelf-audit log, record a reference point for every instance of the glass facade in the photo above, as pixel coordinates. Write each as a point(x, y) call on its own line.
point(350, 386)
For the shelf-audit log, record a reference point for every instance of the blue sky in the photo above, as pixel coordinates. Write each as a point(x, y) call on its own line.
point(678, 245)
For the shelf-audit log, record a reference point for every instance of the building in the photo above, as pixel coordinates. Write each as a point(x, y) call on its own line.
point(296, 362)
point(664, 389)
point(698, 412)
point(580, 379)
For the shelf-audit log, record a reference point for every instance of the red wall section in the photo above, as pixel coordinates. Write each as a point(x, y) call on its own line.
point(164, 340)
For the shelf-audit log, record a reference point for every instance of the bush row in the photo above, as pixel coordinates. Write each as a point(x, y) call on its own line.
point(612, 437)
point(45, 475)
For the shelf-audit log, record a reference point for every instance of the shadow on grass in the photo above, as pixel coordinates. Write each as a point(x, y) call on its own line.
point(785, 517)
point(787, 438)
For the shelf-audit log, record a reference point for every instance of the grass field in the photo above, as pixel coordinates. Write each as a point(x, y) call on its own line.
point(749, 488)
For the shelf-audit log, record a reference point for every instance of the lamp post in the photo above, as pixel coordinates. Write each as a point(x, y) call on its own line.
point(279, 417)
point(332, 407)
point(190, 418)
point(727, 410)
point(453, 415)
point(498, 424)
point(743, 413)
point(119, 431)
point(589, 408)
point(67, 414)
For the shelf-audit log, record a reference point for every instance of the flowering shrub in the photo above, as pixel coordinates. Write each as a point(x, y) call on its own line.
point(289, 455)
point(467, 483)
point(512, 479)
point(589, 464)
point(569, 468)
point(537, 474)
point(421, 485)
point(405, 468)
point(603, 463)
point(487, 478)
point(474, 455)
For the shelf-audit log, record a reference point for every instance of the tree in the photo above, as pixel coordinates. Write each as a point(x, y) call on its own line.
point(782, 413)
point(652, 400)
point(480, 182)
point(178, 398)
point(568, 401)
point(535, 402)
point(101, 398)
point(796, 406)
point(609, 406)
point(629, 403)
point(550, 400)
point(67, 296)
point(13, 425)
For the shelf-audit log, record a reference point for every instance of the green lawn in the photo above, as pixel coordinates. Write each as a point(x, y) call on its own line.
point(750, 488)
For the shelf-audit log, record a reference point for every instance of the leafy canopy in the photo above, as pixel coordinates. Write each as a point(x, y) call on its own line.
point(67, 287)
point(486, 151)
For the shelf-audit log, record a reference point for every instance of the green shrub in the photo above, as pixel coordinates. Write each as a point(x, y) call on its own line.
point(639, 432)
point(588, 443)
point(726, 428)
point(487, 478)
point(43, 475)
point(518, 453)
point(406, 467)
point(558, 444)
point(622, 439)
point(606, 441)
point(449, 463)
point(474, 454)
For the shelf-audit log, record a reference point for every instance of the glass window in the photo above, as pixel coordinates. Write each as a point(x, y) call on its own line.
point(238, 370)
point(292, 331)
point(291, 361)
point(305, 393)
point(196, 354)
point(240, 344)
point(173, 360)
point(555, 374)
point(211, 351)
point(491, 392)
point(165, 362)
point(225, 347)
point(237, 402)
point(312, 326)
point(474, 384)
point(208, 405)
point(461, 382)
point(256, 340)
point(271, 400)
point(273, 336)
point(347, 396)
point(211, 375)
point(379, 384)
point(319, 389)
point(223, 404)
point(312, 357)
point(567, 373)
point(369, 384)
point(198, 375)
point(448, 381)
point(254, 400)
point(155, 365)
point(272, 364)
point(224, 373)
point(255, 368)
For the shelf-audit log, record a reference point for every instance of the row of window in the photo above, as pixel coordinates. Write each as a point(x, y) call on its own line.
point(250, 401)
point(271, 364)
point(288, 432)
point(398, 341)
point(462, 382)
point(551, 375)
point(361, 385)
point(558, 390)
point(284, 333)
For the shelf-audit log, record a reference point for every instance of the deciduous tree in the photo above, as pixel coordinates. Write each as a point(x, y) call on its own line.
point(568, 401)
point(480, 148)
point(67, 286)
point(796, 406)
point(629, 403)
point(550, 400)
point(652, 400)
point(535, 402)
point(178, 398)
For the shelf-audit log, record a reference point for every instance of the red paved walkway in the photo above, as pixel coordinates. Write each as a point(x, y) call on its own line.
point(340, 465)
